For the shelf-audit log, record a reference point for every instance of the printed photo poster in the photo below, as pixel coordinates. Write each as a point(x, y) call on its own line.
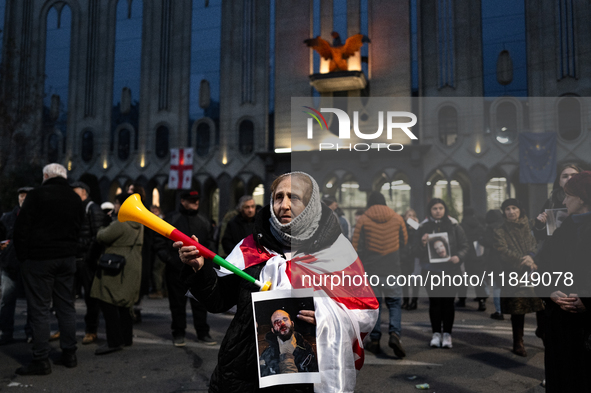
point(286, 345)
point(438, 246)
point(555, 219)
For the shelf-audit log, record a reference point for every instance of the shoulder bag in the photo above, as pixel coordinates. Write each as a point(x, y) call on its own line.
point(113, 263)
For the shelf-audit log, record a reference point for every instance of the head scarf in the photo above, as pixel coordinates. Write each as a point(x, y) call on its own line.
point(302, 227)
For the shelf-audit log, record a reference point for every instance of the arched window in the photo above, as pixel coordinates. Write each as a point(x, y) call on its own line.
point(506, 127)
point(351, 199)
point(124, 145)
point(569, 118)
point(259, 195)
point(202, 139)
point(53, 148)
point(155, 197)
point(448, 125)
point(246, 137)
point(497, 190)
point(162, 142)
point(397, 194)
point(87, 145)
point(57, 65)
point(128, 49)
point(206, 21)
point(215, 204)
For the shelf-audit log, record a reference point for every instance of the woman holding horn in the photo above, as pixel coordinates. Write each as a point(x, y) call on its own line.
point(296, 234)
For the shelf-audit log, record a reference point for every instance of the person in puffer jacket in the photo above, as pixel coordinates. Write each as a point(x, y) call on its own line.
point(379, 234)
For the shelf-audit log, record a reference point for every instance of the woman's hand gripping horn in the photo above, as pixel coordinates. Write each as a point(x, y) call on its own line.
point(189, 255)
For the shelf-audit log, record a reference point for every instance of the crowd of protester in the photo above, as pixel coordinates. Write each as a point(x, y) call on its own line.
point(49, 256)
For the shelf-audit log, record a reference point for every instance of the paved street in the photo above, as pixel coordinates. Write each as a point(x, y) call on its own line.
point(480, 360)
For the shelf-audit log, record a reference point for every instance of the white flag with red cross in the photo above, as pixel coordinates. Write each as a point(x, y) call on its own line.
point(181, 169)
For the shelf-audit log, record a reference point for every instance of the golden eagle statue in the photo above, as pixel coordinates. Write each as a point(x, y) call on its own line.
point(337, 53)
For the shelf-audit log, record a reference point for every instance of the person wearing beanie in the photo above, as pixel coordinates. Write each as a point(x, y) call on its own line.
point(568, 332)
point(187, 220)
point(379, 235)
point(516, 246)
point(441, 299)
point(294, 237)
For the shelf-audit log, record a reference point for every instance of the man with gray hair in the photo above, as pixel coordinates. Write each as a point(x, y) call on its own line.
point(46, 240)
point(240, 226)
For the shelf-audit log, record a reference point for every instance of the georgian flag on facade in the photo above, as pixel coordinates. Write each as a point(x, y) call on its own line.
point(181, 169)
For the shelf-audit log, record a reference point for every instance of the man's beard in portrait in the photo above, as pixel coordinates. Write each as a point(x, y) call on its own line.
point(284, 332)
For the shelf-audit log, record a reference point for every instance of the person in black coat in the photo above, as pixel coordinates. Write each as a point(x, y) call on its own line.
point(87, 257)
point(441, 299)
point(407, 261)
point(473, 227)
point(568, 304)
point(187, 220)
point(46, 240)
point(12, 282)
point(240, 226)
point(491, 259)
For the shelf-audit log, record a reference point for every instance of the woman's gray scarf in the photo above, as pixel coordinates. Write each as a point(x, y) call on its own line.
point(302, 227)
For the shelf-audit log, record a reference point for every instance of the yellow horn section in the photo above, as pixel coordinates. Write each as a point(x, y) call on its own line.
point(134, 210)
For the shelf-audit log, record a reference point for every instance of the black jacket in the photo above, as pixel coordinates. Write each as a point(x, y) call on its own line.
point(567, 334)
point(237, 229)
point(188, 222)
point(237, 368)
point(94, 218)
point(49, 222)
point(304, 357)
point(474, 230)
point(8, 260)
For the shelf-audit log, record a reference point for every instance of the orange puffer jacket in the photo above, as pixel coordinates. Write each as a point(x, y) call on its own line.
point(381, 227)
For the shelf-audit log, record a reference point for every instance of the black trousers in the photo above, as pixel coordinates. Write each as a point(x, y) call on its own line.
point(178, 306)
point(45, 282)
point(85, 276)
point(118, 324)
point(441, 305)
point(441, 311)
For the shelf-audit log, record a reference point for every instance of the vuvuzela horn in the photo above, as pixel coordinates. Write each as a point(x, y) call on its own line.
point(134, 210)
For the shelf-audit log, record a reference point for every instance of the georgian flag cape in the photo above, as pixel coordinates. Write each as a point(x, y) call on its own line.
point(345, 314)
